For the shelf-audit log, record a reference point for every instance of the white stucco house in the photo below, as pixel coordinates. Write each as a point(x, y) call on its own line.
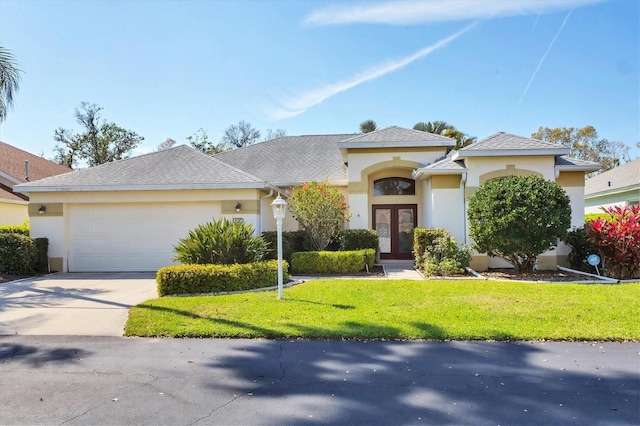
point(128, 215)
point(619, 186)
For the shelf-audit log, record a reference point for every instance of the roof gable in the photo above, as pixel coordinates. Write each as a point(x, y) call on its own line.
point(177, 168)
point(395, 136)
point(506, 144)
point(12, 165)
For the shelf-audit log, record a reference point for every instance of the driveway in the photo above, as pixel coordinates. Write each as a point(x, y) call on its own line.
point(81, 304)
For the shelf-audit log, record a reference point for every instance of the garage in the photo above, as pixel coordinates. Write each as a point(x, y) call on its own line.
point(131, 236)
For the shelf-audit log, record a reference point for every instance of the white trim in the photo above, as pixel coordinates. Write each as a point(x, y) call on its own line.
point(29, 189)
point(10, 177)
point(390, 144)
point(511, 152)
point(19, 202)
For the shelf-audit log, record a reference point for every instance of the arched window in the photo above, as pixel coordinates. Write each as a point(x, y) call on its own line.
point(394, 186)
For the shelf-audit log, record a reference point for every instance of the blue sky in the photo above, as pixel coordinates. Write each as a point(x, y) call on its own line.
point(165, 69)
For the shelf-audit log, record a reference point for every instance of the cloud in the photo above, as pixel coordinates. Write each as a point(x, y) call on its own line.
point(295, 105)
point(413, 12)
point(526, 89)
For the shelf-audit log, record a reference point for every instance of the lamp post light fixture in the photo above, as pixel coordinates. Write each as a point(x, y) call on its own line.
point(279, 207)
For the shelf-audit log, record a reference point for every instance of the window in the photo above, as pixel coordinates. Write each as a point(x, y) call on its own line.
point(394, 186)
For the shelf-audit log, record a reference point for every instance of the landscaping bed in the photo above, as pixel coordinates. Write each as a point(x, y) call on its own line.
point(546, 276)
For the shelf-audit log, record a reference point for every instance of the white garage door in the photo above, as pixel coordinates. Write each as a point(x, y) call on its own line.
point(131, 237)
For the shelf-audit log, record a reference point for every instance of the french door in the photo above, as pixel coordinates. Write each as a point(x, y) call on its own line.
point(394, 224)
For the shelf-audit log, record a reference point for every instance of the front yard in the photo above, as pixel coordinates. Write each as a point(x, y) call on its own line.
point(375, 309)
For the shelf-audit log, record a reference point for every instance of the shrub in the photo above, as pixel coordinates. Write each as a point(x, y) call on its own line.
point(441, 255)
point(292, 241)
point(16, 229)
point(17, 254)
point(581, 248)
point(358, 239)
point(321, 209)
point(41, 261)
point(590, 217)
point(423, 238)
point(618, 241)
point(196, 279)
point(221, 242)
point(332, 262)
point(517, 218)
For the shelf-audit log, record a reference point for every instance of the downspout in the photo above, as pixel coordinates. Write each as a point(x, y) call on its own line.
point(463, 216)
point(260, 219)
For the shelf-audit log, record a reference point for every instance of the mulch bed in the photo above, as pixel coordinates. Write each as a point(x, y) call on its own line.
point(551, 276)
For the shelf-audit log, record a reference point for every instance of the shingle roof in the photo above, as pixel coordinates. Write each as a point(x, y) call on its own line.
point(292, 159)
point(444, 166)
point(568, 163)
point(503, 143)
point(621, 177)
point(396, 136)
point(8, 195)
point(12, 161)
point(181, 168)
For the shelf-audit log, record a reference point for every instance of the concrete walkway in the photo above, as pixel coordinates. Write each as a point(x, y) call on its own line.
point(401, 270)
point(94, 304)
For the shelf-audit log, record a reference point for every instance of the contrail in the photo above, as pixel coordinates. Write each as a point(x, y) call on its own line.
point(544, 56)
point(299, 104)
point(536, 22)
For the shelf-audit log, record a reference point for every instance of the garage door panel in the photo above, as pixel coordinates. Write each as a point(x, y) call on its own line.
point(131, 237)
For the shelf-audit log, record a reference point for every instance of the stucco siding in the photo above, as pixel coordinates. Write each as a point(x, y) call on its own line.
point(13, 213)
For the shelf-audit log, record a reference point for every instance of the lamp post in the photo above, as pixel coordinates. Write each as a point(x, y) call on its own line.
point(279, 207)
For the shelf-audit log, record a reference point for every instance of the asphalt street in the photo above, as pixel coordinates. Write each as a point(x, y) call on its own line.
point(114, 380)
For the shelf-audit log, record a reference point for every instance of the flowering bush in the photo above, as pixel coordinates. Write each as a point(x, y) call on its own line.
point(617, 238)
point(321, 209)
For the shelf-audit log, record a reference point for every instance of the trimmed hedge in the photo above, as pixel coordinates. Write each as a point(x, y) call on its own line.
point(332, 262)
point(196, 279)
point(292, 241)
point(18, 254)
point(358, 239)
point(41, 262)
point(15, 229)
point(423, 239)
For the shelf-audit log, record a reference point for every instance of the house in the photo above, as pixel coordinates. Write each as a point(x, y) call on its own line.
point(16, 167)
point(616, 187)
point(128, 215)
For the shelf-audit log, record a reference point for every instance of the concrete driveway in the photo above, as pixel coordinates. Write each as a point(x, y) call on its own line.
point(81, 304)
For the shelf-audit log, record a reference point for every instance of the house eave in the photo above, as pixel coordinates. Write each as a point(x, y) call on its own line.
point(511, 153)
point(102, 188)
point(612, 191)
point(390, 144)
point(421, 174)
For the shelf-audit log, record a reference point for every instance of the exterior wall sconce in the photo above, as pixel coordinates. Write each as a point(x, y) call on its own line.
point(42, 209)
point(238, 206)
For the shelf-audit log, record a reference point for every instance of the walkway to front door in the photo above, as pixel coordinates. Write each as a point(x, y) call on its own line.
point(394, 224)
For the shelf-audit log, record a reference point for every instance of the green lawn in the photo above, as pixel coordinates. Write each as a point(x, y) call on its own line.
point(373, 309)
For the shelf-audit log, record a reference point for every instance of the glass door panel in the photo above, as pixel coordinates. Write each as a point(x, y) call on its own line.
point(406, 220)
point(383, 227)
point(394, 225)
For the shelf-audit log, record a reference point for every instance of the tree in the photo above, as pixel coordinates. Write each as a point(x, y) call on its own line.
point(585, 144)
point(517, 218)
point(9, 81)
point(100, 142)
point(274, 134)
point(241, 134)
point(368, 126)
point(200, 141)
point(445, 129)
point(168, 143)
point(321, 209)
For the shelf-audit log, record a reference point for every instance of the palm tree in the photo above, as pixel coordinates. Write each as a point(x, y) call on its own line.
point(436, 127)
point(9, 79)
point(368, 126)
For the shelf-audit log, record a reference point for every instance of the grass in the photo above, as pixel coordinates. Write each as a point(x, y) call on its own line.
point(375, 309)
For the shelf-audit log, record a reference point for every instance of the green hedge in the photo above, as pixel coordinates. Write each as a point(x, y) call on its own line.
point(423, 239)
point(590, 217)
point(15, 229)
point(196, 279)
point(41, 262)
point(332, 262)
point(292, 241)
point(17, 254)
point(358, 239)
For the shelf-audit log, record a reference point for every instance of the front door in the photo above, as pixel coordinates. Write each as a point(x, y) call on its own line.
point(394, 224)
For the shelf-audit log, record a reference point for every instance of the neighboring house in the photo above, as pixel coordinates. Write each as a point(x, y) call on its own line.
point(16, 167)
point(128, 215)
point(616, 187)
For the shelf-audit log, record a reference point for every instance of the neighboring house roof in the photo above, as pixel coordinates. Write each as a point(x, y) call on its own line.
point(290, 160)
point(506, 144)
point(618, 179)
point(177, 168)
point(14, 171)
point(395, 136)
